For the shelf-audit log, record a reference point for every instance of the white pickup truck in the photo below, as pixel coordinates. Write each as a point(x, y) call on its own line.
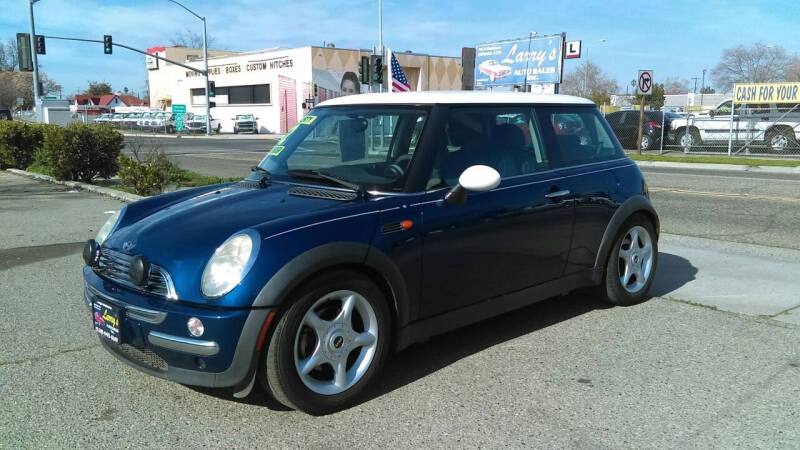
point(776, 127)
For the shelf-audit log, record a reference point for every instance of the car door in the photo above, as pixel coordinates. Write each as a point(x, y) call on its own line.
point(615, 120)
point(590, 159)
point(500, 241)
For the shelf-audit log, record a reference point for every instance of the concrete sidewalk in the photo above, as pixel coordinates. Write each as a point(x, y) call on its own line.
point(212, 137)
point(740, 278)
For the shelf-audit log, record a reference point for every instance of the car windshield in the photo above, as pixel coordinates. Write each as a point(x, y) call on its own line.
point(244, 117)
point(371, 146)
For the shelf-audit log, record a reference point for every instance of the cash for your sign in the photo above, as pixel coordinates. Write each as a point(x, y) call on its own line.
point(768, 93)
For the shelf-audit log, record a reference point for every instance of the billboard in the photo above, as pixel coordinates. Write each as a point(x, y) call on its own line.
point(508, 62)
point(766, 93)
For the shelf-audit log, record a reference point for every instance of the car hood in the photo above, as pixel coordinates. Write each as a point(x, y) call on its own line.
point(182, 236)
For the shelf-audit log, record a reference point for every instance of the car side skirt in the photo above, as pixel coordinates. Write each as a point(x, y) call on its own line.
point(442, 323)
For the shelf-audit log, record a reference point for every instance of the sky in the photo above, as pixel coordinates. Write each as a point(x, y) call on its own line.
point(674, 38)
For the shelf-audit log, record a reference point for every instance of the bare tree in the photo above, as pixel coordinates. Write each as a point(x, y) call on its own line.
point(793, 70)
point(589, 81)
point(9, 55)
point(673, 85)
point(758, 63)
point(190, 39)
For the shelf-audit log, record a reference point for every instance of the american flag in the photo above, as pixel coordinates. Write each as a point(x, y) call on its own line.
point(399, 80)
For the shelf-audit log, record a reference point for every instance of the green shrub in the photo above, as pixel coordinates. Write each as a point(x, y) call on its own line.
point(147, 174)
point(82, 152)
point(18, 142)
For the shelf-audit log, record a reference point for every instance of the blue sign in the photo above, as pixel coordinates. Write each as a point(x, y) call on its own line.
point(507, 62)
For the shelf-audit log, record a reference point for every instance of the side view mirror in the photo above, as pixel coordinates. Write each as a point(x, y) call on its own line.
point(474, 178)
point(256, 118)
point(711, 113)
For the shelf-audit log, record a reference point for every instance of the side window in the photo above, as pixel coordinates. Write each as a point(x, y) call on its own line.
point(577, 136)
point(724, 108)
point(505, 138)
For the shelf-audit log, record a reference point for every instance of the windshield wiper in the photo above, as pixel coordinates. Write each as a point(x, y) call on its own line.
point(317, 175)
point(264, 180)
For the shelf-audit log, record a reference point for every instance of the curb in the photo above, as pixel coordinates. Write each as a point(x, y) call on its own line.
point(255, 137)
point(720, 167)
point(113, 193)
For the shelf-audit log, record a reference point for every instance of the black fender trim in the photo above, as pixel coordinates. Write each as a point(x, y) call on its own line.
point(296, 271)
point(634, 204)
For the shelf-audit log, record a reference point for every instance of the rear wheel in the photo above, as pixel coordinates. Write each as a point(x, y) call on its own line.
point(632, 263)
point(647, 142)
point(329, 345)
point(782, 141)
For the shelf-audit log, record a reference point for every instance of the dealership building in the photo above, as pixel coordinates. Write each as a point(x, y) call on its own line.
point(277, 86)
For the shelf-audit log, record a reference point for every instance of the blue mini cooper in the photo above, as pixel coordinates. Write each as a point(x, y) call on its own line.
point(378, 221)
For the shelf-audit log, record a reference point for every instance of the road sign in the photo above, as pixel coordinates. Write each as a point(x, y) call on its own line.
point(644, 85)
point(573, 50)
point(179, 111)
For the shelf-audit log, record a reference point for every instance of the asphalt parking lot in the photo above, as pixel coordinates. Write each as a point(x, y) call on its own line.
point(677, 371)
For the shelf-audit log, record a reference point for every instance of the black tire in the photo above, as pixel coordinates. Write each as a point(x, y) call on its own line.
point(235, 130)
point(788, 137)
point(647, 142)
point(694, 135)
point(279, 374)
point(255, 130)
point(611, 289)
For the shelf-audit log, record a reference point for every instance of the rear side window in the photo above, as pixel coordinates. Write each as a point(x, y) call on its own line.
point(577, 136)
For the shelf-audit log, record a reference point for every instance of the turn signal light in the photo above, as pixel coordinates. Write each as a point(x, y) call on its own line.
point(406, 224)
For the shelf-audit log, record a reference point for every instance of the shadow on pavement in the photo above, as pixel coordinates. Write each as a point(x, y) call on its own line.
point(673, 273)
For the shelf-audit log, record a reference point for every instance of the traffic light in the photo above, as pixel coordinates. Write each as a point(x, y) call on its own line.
point(212, 89)
point(314, 85)
point(376, 61)
point(40, 50)
point(107, 48)
point(363, 70)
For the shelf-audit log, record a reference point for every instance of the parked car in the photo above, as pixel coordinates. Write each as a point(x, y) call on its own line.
point(197, 124)
point(494, 69)
point(245, 123)
point(775, 127)
point(162, 121)
point(104, 118)
point(5, 114)
point(625, 125)
point(117, 119)
point(144, 120)
point(339, 248)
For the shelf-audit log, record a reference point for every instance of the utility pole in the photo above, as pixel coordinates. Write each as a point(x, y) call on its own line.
point(702, 88)
point(695, 84)
point(380, 36)
point(36, 93)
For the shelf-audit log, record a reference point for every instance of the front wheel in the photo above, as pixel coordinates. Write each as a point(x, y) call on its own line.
point(632, 263)
point(688, 139)
point(329, 345)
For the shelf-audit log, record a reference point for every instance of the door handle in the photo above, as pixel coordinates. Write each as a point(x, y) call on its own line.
point(558, 194)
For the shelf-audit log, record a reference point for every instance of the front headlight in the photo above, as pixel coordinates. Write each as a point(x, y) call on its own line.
point(229, 264)
point(106, 229)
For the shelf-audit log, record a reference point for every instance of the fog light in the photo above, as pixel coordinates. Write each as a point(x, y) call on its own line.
point(196, 327)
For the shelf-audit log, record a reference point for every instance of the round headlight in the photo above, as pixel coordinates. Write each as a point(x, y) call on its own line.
point(106, 229)
point(229, 264)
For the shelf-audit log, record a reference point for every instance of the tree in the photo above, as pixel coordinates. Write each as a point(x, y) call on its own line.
point(9, 54)
point(190, 39)
point(758, 63)
point(589, 81)
point(708, 90)
point(98, 88)
point(655, 100)
point(14, 85)
point(674, 85)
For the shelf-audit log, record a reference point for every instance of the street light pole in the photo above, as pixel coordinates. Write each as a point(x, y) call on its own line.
point(380, 37)
point(205, 62)
point(36, 93)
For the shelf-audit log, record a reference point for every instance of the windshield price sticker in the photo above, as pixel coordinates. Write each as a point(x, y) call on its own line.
point(276, 150)
point(308, 120)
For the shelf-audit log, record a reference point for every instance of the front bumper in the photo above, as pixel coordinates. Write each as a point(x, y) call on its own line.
point(155, 339)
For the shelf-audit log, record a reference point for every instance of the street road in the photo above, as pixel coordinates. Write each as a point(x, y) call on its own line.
point(734, 206)
point(711, 362)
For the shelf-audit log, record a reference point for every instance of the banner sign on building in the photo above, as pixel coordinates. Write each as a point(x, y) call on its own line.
point(507, 62)
point(150, 62)
point(766, 93)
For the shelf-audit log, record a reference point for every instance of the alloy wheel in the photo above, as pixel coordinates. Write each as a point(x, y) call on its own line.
point(336, 342)
point(635, 259)
point(779, 143)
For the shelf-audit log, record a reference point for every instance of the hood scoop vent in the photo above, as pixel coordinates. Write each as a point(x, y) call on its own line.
point(328, 194)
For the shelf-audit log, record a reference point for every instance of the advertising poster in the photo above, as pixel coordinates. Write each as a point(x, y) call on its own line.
point(509, 62)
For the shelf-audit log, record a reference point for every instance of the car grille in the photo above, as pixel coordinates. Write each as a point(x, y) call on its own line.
point(115, 266)
point(142, 356)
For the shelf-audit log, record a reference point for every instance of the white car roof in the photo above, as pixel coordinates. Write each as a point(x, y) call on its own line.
point(455, 97)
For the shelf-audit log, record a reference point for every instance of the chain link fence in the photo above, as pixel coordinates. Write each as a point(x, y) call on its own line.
point(747, 130)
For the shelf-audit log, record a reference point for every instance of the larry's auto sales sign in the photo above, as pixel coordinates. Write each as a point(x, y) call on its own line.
point(508, 62)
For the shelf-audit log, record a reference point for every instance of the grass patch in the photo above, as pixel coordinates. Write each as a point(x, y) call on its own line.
point(717, 160)
point(41, 169)
point(194, 179)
